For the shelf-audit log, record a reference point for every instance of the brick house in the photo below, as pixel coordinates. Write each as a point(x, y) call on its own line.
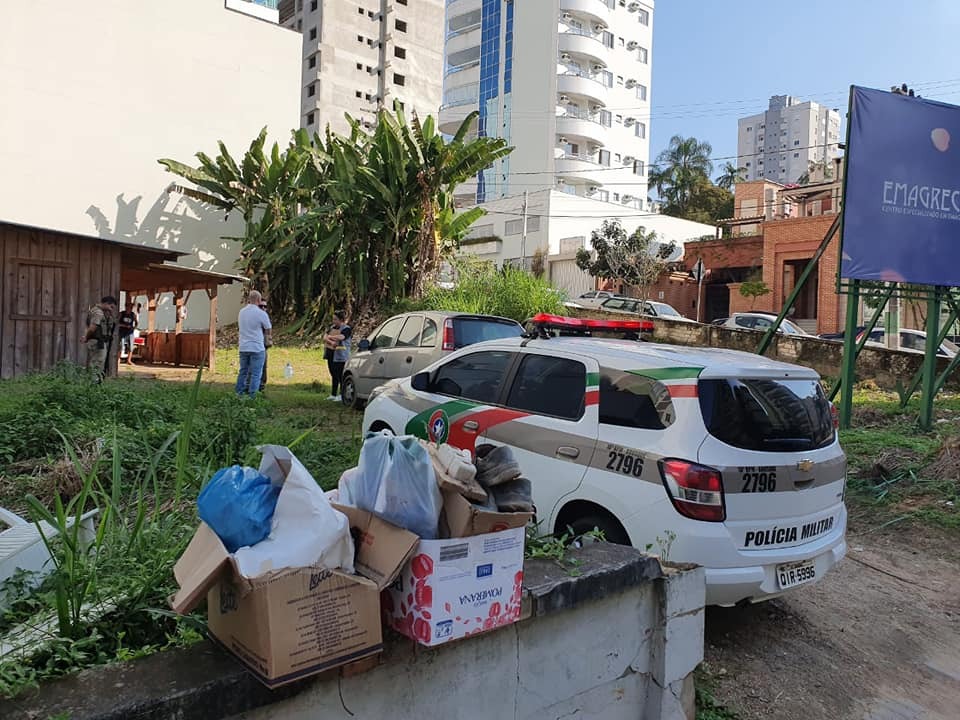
point(775, 231)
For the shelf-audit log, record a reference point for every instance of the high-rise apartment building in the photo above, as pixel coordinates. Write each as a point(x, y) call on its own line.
point(780, 143)
point(362, 55)
point(566, 82)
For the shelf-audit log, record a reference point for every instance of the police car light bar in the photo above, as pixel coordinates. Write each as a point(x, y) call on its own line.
point(559, 321)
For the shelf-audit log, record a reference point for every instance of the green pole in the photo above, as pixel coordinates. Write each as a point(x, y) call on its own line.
point(918, 375)
point(930, 361)
point(849, 355)
point(867, 329)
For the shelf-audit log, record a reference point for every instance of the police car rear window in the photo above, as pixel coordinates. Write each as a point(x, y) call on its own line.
point(767, 415)
point(467, 331)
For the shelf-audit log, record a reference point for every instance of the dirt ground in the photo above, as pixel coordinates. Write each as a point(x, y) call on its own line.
point(877, 639)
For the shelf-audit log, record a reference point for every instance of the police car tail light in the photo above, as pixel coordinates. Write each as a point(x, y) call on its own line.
point(835, 414)
point(448, 341)
point(696, 491)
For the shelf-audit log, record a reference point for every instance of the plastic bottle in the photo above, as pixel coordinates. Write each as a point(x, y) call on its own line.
point(288, 371)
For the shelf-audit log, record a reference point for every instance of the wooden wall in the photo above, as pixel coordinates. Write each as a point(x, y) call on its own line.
point(48, 281)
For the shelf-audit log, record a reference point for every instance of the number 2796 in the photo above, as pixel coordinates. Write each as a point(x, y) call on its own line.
point(759, 482)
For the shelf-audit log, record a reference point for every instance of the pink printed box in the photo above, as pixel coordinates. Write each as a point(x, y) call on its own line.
point(454, 588)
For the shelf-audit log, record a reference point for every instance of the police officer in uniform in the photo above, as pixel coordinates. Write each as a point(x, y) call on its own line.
point(101, 325)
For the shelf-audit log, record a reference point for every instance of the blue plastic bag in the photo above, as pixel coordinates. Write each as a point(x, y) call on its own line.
point(395, 480)
point(238, 505)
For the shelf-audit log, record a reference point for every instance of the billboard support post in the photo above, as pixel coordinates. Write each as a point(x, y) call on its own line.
point(930, 361)
point(848, 367)
point(867, 329)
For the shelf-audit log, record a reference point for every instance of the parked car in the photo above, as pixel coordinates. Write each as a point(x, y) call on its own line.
point(759, 321)
point(405, 344)
point(636, 306)
point(592, 300)
point(731, 455)
point(840, 335)
point(911, 341)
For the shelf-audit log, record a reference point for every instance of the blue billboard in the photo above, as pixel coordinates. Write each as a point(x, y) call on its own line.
point(901, 209)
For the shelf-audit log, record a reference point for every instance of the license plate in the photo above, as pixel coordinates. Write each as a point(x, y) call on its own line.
point(793, 574)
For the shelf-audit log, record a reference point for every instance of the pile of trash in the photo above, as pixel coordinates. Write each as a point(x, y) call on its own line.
point(417, 536)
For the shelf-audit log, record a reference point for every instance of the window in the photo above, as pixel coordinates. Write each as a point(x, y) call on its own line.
point(616, 197)
point(400, 52)
point(622, 41)
point(468, 331)
point(359, 66)
point(387, 334)
point(359, 38)
point(749, 128)
point(605, 118)
point(604, 157)
point(428, 338)
point(549, 386)
point(796, 155)
point(640, 130)
point(359, 94)
point(410, 334)
point(400, 25)
point(607, 39)
point(642, 92)
point(312, 62)
point(638, 167)
point(310, 118)
point(629, 400)
point(399, 79)
point(603, 195)
point(796, 143)
point(313, 6)
point(768, 415)
point(606, 78)
point(515, 227)
point(313, 33)
point(620, 80)
point(643, 17)
point(620, 119)
point(311, 89)
point(475, 377)
point(401, 2)
point(361, 11)
point(616, 157)
point(642, 55)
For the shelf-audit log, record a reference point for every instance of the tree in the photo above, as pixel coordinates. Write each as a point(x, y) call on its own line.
point(754, 289)
point(730, 175)
point(708, 203)
point(680, 169)
point(351, 221)
point(636, 259)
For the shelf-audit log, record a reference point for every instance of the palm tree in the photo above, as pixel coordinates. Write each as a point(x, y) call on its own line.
point(730, 175)
point(680, 169)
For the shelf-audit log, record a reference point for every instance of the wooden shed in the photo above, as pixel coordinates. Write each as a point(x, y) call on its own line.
point(49, 279)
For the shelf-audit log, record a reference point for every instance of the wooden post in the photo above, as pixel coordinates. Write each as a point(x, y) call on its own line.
point(178, 326)
point(212, 351)
point(152, 311)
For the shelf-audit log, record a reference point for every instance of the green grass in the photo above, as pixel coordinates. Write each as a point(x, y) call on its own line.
point(708, 707)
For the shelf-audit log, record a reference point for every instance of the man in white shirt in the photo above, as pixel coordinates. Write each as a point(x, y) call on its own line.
point(254, 327)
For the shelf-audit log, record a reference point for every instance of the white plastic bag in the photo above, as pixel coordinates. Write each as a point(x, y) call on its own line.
point(306, 530)
point(395, 480)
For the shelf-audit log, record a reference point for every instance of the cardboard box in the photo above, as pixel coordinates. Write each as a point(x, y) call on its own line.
point(463, 519)
point(458, 587)
point(287, 625)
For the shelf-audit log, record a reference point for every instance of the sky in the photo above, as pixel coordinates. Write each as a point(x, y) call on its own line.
point(717, 60)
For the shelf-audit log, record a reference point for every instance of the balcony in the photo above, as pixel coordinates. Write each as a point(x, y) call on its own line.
point(585, 46)
point(582, 128)
point(595, 11)
point(451, 116)
point(583, 85)
point(463, 41)
point(580, 170)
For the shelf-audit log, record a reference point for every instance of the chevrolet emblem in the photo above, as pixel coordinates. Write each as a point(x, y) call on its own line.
point(805, 465)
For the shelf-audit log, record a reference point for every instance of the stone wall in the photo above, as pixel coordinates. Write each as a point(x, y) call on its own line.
point(611, 635)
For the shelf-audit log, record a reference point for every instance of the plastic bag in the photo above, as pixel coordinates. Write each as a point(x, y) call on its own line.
point(306, 531)
point(395, 480)
point(238, 504)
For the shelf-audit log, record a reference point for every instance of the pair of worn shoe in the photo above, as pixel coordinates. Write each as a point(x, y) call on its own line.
point(499, 473)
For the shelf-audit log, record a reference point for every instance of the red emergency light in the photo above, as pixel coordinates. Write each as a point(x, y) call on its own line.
point(559, 321)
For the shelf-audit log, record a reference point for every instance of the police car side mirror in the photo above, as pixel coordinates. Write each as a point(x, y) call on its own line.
point(363, 345)
point(420, 381)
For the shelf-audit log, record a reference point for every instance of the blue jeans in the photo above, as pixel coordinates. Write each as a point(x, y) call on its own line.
point(251, 368)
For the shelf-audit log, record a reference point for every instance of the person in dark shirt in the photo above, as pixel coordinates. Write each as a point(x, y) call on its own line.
point(126, 324)
point(337, 351)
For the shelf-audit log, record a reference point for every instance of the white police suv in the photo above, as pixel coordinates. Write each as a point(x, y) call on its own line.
point(722, 458)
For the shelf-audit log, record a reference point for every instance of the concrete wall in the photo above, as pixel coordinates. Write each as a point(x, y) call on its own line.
point(94, 93)
point(618, 639)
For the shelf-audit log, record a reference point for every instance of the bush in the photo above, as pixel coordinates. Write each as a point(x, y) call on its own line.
point(509, 292)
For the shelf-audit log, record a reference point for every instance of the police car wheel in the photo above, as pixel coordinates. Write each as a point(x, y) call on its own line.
point(612, 532)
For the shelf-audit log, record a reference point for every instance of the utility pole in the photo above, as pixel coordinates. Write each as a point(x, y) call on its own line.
point(523, 236)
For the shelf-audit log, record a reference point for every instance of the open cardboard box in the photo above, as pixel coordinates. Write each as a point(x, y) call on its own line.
point(289, 624)
point(466, 584)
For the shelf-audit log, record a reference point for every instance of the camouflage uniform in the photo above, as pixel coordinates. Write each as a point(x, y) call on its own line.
point(98, 346)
